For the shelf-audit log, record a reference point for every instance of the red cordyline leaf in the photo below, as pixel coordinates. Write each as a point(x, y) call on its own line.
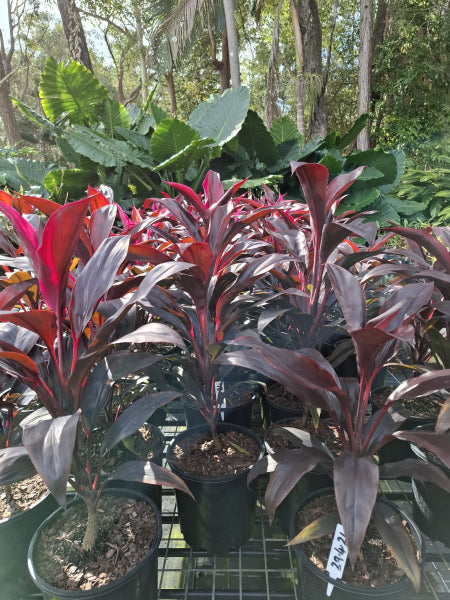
point(313, 178)
point(339, 185)
point(11, 294)
point(146, 252)
point(213, 189)
point(47, 207)
point(6, 198)
point(26, 233)
point(59, 240)
point(199, 254)
point(97, 199)
point(42, 322)
point(428, 241)
point(190, 196)
point(100, 224)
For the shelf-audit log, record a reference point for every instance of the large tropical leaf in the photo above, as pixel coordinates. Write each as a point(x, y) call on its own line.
point(71, 92)
point(114, 115)
point(171, 137)
point(383, 162)
point(283, 130)
point(69, 183)
point(196, 150)
point(221, 117)
point(257, 141)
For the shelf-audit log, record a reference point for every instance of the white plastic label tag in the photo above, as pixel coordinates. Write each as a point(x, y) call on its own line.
point(338, 557)
point(219, 389)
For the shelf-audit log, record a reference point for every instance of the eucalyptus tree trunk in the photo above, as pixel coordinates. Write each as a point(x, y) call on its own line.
point(364, 69)
point(141, 49)
point(6, 105)
point(74, 32)
point(233, 47)
point(311, 34)
point(172, 95)
point(300, 83)
point(273, 111)
point(223, 66)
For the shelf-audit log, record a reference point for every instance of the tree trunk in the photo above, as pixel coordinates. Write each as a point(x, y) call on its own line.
point(300, 84)
point(141, 49)
point(364, 69)
point(223, 66)
point(273, 111)
point(311, 33)
point(233, 47)
point(171, 87)
point(74, 32)
point(7, 111)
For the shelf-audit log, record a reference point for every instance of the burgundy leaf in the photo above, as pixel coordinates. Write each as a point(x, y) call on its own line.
point(380, 427)
point(149, 472)
point(134, 417)
point(291, 466)
point(213, 189)
point(334, 233)
point(350, 296)
point(313, 178)
point(356, 487)
point(191, 196)
point(13, 292)
point(199, 254)
point(42, 322)
point(428, 241)
point(154, 333)
point(419, 469)
point(101, 222)
point(398, 539)
point(339, 185)
point(145, 252)
point(95, 280)
point(50, 445)
point(425, 384)
point(438, 443)
point(55, 254)
point(26, 233)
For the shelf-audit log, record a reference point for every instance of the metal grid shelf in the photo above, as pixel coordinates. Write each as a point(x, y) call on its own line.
point(264, 568)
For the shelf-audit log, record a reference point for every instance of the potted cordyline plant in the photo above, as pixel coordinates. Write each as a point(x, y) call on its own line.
point(354, 471)
point(209, 301)
point(72, 378)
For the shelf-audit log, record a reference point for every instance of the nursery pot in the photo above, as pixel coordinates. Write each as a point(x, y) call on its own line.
point(15, 535)
point(140, 583)
point(277, 411)
point(222, 515)
point(430, 502)
point(154, 492)
point(313, 582)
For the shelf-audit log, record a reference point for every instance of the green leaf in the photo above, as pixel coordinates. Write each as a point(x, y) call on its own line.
point(288, 151)
point(221, 117)
point(36, 118)
point(358, 200)
point(133, 137)
point(71, 92)
point(324, 525)
point(257, 141)
point(353, 132)
point(380, 160)
point(171, 137)
point(27, 174)
point(72, 183)
point(196, 150)
point(157, 114)
point(283, 130)
point(114, 115)
point(331, 163)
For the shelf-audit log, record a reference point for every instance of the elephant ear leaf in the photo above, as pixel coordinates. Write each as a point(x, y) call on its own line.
point(397, 538)
point(50, 446)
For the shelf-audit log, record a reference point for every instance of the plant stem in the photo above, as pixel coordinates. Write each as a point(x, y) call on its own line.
point(90, 534)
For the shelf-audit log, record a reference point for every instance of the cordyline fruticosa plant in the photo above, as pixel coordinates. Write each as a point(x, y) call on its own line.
point(312, 234)
point(72, 377)
point(211, 298)
point(355, 472)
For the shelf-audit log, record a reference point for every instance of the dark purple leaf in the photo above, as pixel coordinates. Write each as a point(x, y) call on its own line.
point(428, 241)
point(390, 422)
point(419, 469)
point(95, 280)
point(50, 446)
point(12, 292)
point(199, 254)
point(213, 189)
point(313, 178)
point(42, 322)
point(191, 196)
point(356, 487)
point(350, 296)
point(15, 465)
point(26, 233)
point(398, 539)
point(425, 384)
point(334, 233)
point(100, 224)
point(438, 443)
point(145, 252)
point(134, 417)
point(149, 472)
point(291, 466)
point(154, 333)
point(339, 185)
point(266, 464)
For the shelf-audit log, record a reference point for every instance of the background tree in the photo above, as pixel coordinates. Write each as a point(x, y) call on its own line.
point(74, 32)
point(365, 68)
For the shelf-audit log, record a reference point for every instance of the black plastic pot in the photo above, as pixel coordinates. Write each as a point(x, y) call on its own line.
point(222, 516)
point(141, 583)
point(278, 412)
point(430, 502)
point(313, 582)
point(15, 535)
point(238, 415)
point(154, 492)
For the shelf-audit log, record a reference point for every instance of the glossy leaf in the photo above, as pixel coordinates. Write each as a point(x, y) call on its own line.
point(55, 253)
point(325, 525)
point(101, 223)
point(154, 333)
point(425, 384)
point(292, 465)
point(265, 464)
point(26, 233)
point(10, 295)
point(428, 241)
point(95, 280)
point(149, 472)
point(438, 443)
point(134, 417)
point(419, 469)
point(443, 421)
point(50, 445)
point(356, 487)
point(339, 185)
point(349, 295)
point(42, 322)
point(396, 537)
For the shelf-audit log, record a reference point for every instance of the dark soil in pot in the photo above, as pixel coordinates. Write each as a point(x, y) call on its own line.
point(376, 576)
point(222, 516)
point(281, 403)
point(123, 563)
point(430, 502)
point(23, 507)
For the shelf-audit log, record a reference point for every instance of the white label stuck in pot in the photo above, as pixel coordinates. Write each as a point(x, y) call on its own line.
point(338, 557)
